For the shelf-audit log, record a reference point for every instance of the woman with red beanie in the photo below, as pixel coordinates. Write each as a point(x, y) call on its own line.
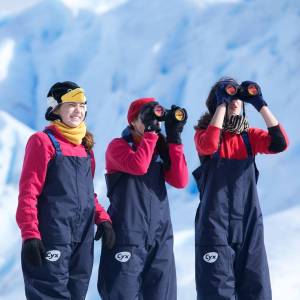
point(141, 264)
point(57, 207)
point(231, 261)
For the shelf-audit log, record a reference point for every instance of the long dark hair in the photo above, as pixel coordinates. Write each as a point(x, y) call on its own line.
point(211, 104)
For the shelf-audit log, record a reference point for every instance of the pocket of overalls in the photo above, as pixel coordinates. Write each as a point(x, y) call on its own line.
point(213, 256)
point(126, 256)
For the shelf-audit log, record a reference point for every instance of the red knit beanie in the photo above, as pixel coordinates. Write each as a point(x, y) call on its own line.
point(135, 107)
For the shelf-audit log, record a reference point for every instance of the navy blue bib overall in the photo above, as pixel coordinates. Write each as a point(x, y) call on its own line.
point(66, 223)
point(231, 260)
point(141, 265)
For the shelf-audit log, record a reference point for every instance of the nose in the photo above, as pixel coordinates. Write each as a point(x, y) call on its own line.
point(77, 107)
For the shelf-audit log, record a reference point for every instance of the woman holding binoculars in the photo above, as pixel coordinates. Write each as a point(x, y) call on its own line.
point(141, 264)
point(231, 261)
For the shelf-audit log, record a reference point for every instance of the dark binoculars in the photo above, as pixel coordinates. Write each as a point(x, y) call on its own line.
point(161, 113)
point(237, 90)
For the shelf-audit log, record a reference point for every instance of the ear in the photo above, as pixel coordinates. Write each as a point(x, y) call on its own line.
point(133, 123)
point(56, 111)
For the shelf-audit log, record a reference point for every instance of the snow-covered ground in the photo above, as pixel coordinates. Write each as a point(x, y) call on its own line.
point(118, 50)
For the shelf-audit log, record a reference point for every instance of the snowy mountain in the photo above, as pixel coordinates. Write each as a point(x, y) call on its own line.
point(119, 50)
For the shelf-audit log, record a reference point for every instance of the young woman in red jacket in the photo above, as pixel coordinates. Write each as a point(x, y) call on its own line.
point(231, 261)
point(57, 207)
point(139, 163)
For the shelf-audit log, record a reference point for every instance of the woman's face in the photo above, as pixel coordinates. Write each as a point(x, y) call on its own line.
point(138, 126)
point(72, 113)
point(234, 107)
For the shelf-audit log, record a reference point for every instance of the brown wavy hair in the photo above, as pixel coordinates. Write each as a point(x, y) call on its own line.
point(210, 103)
point(88, 141)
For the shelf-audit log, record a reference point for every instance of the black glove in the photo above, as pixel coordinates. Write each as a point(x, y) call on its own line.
point(106, 230)
point(173, 126)
point(257, 101)
point(221, 95)
point(148, 117)
point(33, 252)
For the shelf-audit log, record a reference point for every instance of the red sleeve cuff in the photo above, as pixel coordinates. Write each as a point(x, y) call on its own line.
point(30, 235)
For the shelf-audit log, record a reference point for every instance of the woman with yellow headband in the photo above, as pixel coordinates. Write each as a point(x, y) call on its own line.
point(57, 206)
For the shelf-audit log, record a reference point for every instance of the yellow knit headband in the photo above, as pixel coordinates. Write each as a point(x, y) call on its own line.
point(76, 95)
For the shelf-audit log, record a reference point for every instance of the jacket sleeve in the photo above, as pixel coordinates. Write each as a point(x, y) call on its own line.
point(100, 213)
point(268, 142)
point(207, 140)
point(121, 158)
point(38, 153)
point(177, 175)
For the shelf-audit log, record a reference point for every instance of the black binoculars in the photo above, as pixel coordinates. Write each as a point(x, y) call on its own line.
point(237, 90)
point(161, 113)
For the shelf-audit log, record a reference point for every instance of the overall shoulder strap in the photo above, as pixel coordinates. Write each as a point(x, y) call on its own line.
point(127, 136)
point(54, 141)
point(246, 140)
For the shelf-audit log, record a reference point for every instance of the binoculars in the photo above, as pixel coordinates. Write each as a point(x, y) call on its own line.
point(237, 90)
point(161, 113)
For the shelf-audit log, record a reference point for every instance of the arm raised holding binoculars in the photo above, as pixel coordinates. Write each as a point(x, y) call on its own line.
point(174, 127)
point(175, 119)
point(227, 101)
point(276, 137)
point(120, 156)
point(177, 174)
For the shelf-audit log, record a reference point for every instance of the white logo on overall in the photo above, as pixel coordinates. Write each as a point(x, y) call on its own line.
point(123, 256)
point(210, 257)
point(52, 255)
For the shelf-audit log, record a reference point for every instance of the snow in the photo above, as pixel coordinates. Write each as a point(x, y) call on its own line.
point(119, 50)
point(13, 138)
point(6, 54)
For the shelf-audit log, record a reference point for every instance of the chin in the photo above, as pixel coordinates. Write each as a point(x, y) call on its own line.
point(73, 125)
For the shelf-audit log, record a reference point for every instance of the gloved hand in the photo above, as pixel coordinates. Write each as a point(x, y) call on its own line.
point(33, 252)
point(106, 230)
point(148, 117)
point(174, 127)
point(257, 101)
point(221, 95)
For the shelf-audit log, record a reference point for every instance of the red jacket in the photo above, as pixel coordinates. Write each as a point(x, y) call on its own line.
point(121, 158)
point(232, 145)
point(39, 151)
